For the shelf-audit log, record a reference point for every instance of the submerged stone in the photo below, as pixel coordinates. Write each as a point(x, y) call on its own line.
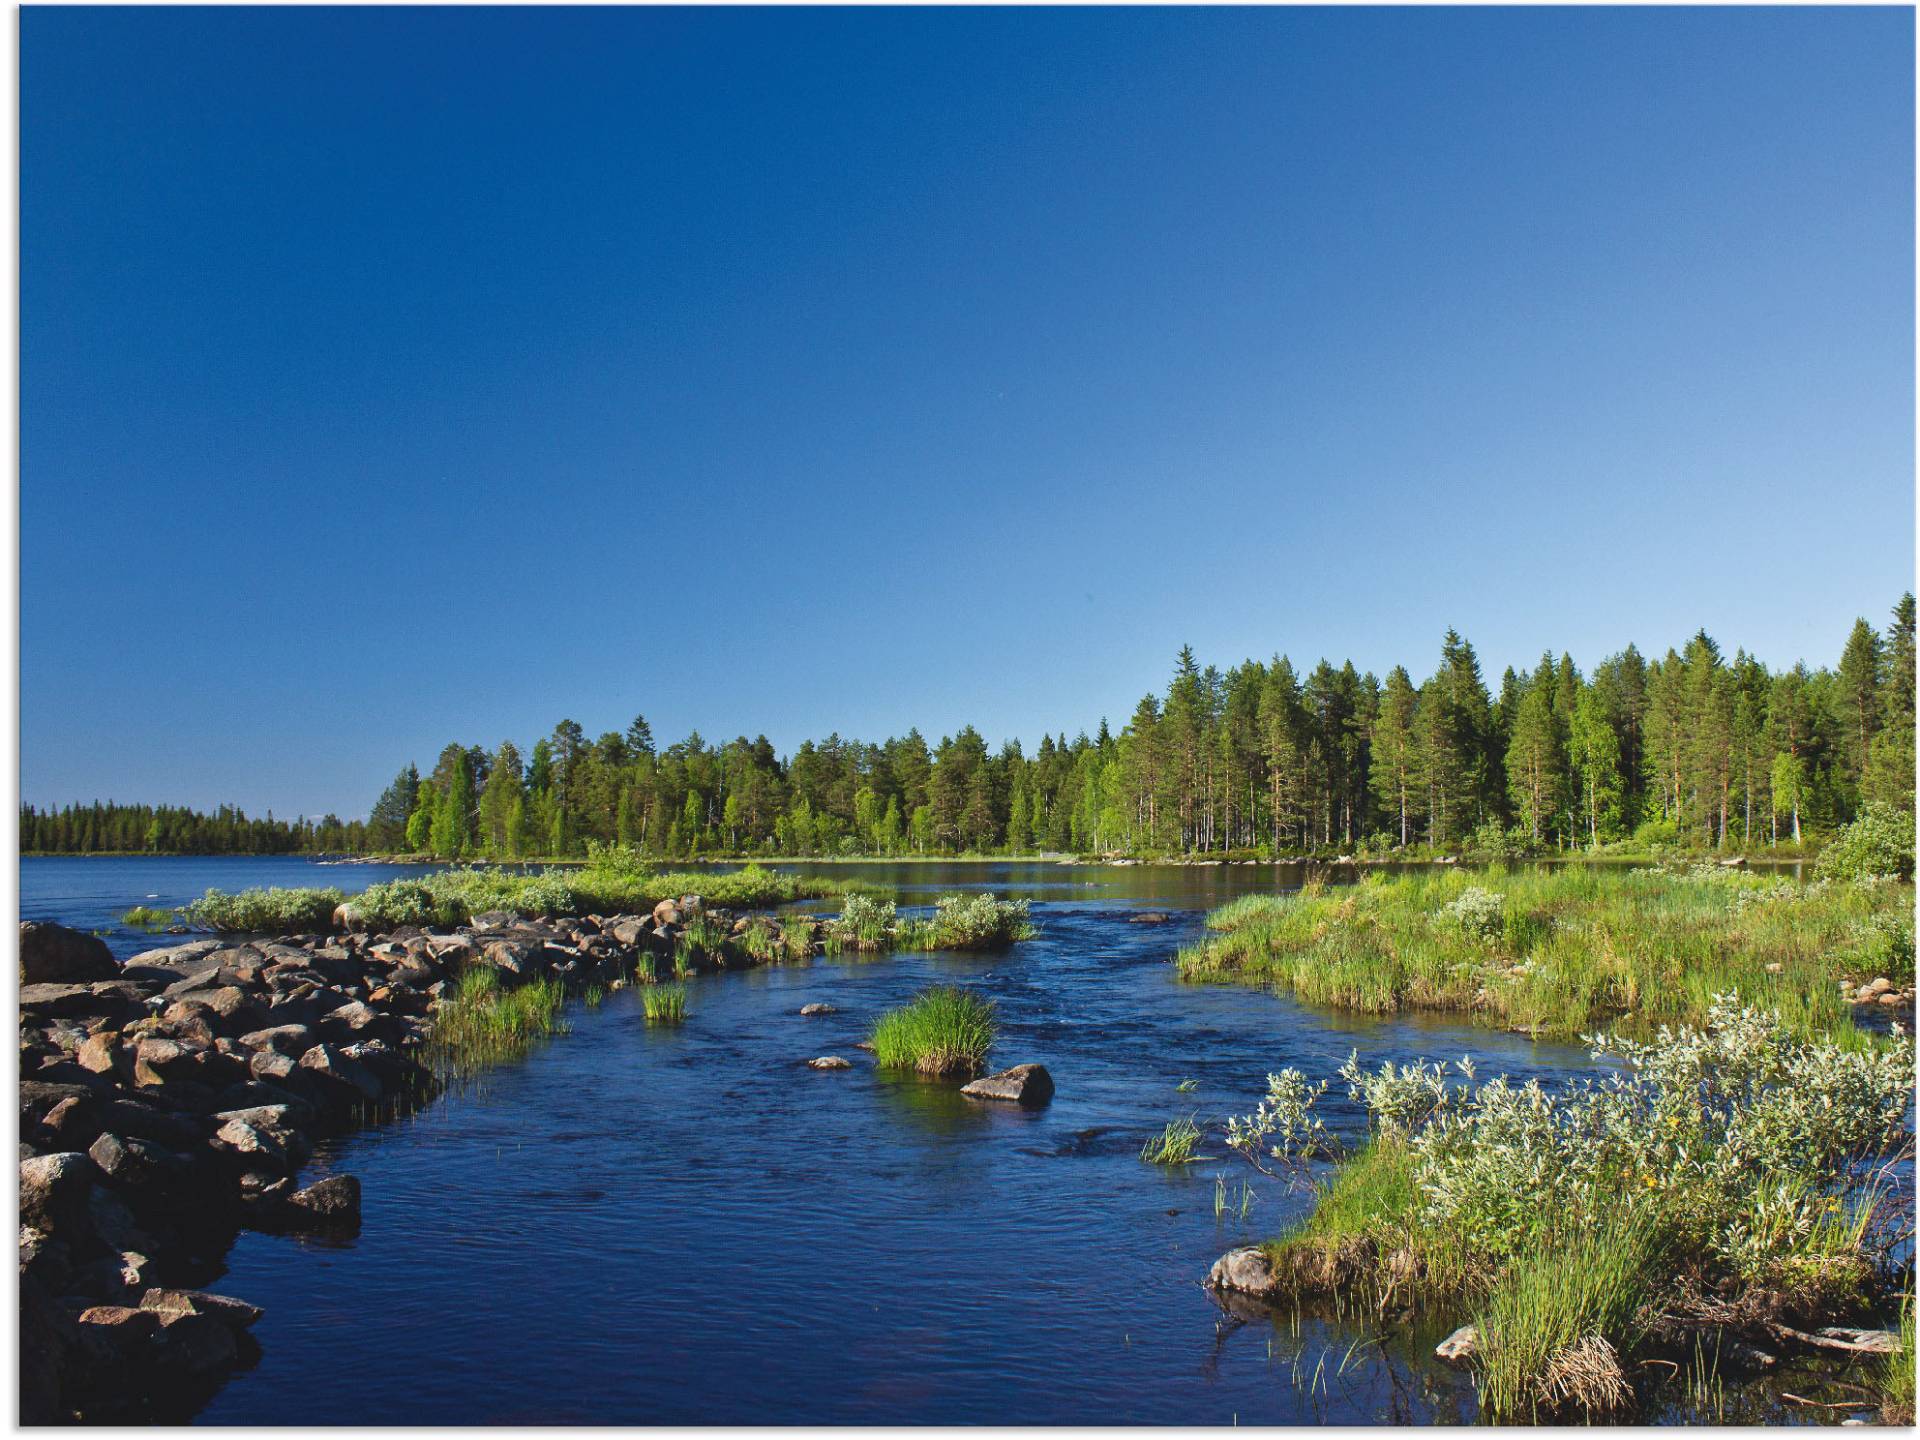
point(1021, 1085)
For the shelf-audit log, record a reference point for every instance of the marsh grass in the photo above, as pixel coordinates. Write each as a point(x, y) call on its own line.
point(1557, 1322)
point(776, 940)
point(150, 919)
point(665, 1004)
point(944, 1030)
point(1175, 1145)
point(1573, 948)
point(486, 1023)
point(644, 971)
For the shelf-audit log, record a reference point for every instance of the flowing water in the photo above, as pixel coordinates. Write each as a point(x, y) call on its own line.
point(644, 1225)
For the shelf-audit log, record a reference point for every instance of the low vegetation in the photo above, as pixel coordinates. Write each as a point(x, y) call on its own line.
point(945, 1030)
point(264, 911)
point(959, 922)
point(616, 882)
point(1731, 1175)
point(148, 918)
point(1559, 950)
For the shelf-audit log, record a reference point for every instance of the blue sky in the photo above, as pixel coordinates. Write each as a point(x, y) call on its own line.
point(391, 377)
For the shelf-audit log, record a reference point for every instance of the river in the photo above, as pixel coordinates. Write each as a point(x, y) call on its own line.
point(676, 1226)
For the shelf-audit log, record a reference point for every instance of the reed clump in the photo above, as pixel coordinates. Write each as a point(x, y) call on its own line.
point(945, 1030)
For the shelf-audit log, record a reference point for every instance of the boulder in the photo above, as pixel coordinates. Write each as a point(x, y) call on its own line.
point(1021, 1085)
point(53, 954)
point(1245, 1271)
point(114, 999)
point(1459, 1348)
point(334, 1201)
point(54, 1190)
point(818, 1007)
point(666, 913)
point(98, 1053)
point(162, 1062)
point(341, 1076)
point(830, 1062)
point(199, 1302)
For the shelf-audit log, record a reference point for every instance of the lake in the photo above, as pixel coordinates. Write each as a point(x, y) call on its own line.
point(676, 1226)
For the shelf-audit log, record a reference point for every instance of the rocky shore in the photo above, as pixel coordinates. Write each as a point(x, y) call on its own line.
point(169, 1103)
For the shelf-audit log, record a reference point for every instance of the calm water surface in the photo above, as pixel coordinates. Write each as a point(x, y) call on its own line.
point(652, 1226)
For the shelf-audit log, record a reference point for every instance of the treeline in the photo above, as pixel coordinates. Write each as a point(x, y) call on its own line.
point(1690, 747)
point(175, 830)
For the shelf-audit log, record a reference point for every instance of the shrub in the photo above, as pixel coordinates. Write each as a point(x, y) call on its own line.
point(1880, 842)
point(969, 922)
point(280, 911)
point(945, 1030)
point(863, 924)
point(1477, 912)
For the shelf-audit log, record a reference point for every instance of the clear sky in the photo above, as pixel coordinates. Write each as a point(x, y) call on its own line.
point(392, 377)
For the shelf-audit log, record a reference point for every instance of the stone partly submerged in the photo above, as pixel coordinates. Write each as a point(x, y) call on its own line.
point(1022, 1085)
point(171, 1102)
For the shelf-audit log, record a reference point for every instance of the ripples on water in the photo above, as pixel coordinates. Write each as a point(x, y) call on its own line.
point(656, 1226)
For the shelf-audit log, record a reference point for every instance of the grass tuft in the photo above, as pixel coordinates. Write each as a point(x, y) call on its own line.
point(945, 1030)
point(1175, 1144)
point(665, 1004)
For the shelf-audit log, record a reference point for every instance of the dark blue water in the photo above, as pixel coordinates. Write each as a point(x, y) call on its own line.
point(650, 1226)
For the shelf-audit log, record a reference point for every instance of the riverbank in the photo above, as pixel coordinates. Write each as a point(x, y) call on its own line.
point(1730, 1193)
point(1561, 951)
point(171, 1102)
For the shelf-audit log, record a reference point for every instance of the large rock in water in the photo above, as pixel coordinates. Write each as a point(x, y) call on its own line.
point(1245, 1271)
point(52, 954)
point(1022, 1085)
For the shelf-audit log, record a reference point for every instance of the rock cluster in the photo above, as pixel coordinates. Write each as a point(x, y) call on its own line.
point(169, 1103)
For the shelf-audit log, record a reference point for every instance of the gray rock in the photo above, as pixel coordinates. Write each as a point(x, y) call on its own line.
point(830, 1062)
point(1245, 1271)
point(818, 1007)
point(1021, 1085)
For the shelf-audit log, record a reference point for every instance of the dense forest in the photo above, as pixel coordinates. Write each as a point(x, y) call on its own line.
point(1690, 748)
point(174, 830)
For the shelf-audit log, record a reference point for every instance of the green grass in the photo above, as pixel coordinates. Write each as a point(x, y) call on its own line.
point(146, 917)
point(1569, 948)
point(945, 1030)
point(1896, 1381)
point(1556, 1325)
point(276, 911)
point(775, 940)
point(487, 1023)
point(644, 972)
point(665, 1004)
point(1174, 1145)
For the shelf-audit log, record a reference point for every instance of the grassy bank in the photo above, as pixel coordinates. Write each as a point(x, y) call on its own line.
point(1561, 950)
point(1727, 1178)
